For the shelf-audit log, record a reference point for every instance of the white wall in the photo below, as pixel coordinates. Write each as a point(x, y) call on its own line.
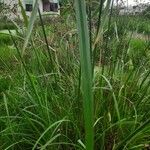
point(41, 6)
point(11, 3)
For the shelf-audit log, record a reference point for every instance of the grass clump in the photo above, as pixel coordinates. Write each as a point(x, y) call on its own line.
point(6, 25)
point(5, 39)
point(61, 95)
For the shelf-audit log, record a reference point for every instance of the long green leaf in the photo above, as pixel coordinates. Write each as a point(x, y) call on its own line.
point(23, 13)
point(86, 71)
point(50, 127)
point(30, 25)
point(128, 139)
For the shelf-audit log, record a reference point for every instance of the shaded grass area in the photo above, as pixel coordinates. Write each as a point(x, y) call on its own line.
point(5, 39)
point(5, 25)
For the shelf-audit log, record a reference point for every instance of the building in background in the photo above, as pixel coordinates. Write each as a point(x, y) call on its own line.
point(12, 9)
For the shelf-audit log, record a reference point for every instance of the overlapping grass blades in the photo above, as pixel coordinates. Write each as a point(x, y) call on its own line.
point(33, 107)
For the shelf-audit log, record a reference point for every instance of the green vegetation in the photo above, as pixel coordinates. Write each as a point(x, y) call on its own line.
point(6, 25)
point(77, 81)
point(139, 24)
point(146, 12)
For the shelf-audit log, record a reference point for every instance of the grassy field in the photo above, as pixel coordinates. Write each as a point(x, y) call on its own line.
point(77, 81)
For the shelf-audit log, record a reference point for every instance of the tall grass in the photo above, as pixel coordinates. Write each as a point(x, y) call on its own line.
point(78, 81)
point(86, 69)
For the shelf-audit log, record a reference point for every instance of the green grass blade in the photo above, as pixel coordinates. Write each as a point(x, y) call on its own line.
point(86, 71)
point(30, 25)
point(50, 127)
point(129, 138)
point(23, 13)
point(50, 141)
point(6, 106)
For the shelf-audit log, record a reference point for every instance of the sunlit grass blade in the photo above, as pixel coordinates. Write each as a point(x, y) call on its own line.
point(86, 71)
